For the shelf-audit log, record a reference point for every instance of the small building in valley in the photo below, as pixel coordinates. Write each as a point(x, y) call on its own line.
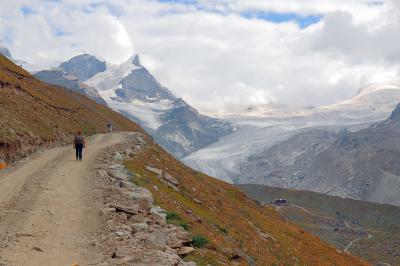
point(281, 202)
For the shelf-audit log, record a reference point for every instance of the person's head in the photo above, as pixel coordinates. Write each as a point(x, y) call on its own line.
point(79, 132)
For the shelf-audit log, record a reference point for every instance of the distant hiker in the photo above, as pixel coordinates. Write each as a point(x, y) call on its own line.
point(109, 127)
point(79, 145)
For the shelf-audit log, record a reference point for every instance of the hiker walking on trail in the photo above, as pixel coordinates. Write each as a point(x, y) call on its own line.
point(109, 127)
point(79, 145)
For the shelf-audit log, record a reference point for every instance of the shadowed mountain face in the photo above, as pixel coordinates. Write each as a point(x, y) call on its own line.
point(6, 52)
point(141, 85)
point(83, 66)
point(182, 122)
point(132, 90)
point(73, 73)
point(362, 165)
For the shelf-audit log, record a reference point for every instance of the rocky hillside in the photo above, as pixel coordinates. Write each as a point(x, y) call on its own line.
point(72, 74)
point(226, 227)
point(34, 114)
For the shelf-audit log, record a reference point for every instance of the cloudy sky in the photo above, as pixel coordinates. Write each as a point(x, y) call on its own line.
point(220, 55)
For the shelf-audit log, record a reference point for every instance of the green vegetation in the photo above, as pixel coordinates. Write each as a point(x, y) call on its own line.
point(199, 241)
point(174, 218)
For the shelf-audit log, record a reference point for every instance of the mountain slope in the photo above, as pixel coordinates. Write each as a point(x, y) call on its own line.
point(132, 90)
point(228, 157)
point(33, 114)
point(361, 165)
point(73, 73)
point(239, 232)
point(340, 221)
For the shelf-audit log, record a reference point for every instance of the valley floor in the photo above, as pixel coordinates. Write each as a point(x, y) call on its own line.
point(46, 208)
point(374, 245)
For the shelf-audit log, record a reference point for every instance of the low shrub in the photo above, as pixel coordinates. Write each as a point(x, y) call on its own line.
point(199, 241)
point(174, 218)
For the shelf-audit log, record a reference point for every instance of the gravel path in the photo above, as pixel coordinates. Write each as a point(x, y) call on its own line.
point(46, 208)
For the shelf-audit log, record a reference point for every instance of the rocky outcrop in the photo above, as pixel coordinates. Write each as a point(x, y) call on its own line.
point(166, 178)
point(138, 233)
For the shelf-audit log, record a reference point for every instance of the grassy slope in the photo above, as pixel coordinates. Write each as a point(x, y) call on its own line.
point(366, 214)
point(33, 113)
point(228, 219)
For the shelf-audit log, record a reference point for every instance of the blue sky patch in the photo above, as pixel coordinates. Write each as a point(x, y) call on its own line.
point(26, 10)
point(302, 21)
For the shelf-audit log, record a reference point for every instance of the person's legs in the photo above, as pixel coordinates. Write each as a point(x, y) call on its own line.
point(80, 152)
point(79, 149)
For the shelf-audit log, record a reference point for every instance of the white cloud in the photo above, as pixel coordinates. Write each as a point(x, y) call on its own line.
point(212, 56)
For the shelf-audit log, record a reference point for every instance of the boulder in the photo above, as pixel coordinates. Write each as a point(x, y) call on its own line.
point(126, 184)
point(154, 170)
point(233, 253)
point(139, 227)
point(157, 210)
point(167, 177)
point(175, 188)
point(128, 152)
point(142, 196)
point(185, 251)
point(132, 210)
point(118, 167)
point(187, 263)
point(121, 175)
point(118, 157)
point(121, 233)
point(156, 240)
point(177, 237)
point(197, 201)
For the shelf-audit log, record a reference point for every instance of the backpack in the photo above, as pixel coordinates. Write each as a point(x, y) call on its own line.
point(78, 140)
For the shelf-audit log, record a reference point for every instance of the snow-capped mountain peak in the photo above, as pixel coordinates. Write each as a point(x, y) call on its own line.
point(108, 81)
point(131, 89)
point(394, 85)
point(136, 60)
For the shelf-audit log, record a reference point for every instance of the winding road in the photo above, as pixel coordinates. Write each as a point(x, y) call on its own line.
point(346, 249)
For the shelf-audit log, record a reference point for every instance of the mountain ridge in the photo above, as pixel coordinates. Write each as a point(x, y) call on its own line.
point(73, 73)
point(227, 157)
point(132, 90)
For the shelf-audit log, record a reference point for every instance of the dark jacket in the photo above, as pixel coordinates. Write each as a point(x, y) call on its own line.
point(79, 140)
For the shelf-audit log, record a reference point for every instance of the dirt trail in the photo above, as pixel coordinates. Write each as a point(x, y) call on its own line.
point(46, 210)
